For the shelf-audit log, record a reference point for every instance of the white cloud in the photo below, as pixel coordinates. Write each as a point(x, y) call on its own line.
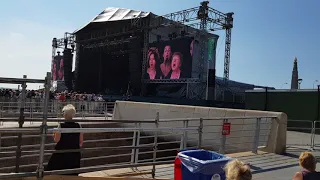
point(26, 49)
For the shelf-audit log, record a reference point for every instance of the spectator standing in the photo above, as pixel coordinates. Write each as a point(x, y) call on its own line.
point(308, 163)
point(67, 141)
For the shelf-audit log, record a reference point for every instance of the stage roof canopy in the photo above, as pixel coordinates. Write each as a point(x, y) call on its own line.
point(116, 14)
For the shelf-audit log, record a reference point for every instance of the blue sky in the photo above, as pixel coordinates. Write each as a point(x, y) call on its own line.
point(266, 37)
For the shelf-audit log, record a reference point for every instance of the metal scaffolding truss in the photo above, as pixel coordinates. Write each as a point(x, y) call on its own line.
point(68, 41)
point(215, 20)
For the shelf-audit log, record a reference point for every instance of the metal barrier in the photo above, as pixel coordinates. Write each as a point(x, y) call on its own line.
point(316, 136)
point(159, 148)
point(309, 129)
point(35, 108)
point(306, 126)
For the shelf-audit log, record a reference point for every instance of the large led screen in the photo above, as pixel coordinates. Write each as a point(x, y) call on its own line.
point(57, 68)
point(170, 59)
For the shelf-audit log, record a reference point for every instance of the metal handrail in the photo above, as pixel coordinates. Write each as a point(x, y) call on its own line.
point(215, 118)
point(19, 130)
point(101, 130)
point(131, 130)
point(78, 120)
point(85, 149)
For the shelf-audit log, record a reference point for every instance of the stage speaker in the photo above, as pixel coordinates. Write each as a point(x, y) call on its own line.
point(211, 84)
point(135, 64)
point(67, 66)
point(77, 82)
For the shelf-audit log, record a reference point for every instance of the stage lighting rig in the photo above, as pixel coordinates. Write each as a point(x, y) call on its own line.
point(67, 42)
point(203, 10)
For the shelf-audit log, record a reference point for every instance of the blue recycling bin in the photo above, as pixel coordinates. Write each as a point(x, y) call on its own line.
point(202, 165)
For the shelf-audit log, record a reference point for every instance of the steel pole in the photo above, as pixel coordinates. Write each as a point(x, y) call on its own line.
point(155, 148)
point(43, 128)
point(21, 122)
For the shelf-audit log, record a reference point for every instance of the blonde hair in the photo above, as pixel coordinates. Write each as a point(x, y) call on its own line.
point(307, 161)
point(69, 110)
point(237, 170)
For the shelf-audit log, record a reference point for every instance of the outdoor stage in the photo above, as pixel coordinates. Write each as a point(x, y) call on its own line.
point(125, 52)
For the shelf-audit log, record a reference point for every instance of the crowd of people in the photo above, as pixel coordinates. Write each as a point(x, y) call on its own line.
point(63, 96)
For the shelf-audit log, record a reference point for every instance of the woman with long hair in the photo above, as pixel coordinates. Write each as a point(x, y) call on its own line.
point(153, 66)
point(165, 66)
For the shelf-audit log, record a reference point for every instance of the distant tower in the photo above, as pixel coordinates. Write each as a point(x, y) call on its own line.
point(295, 76)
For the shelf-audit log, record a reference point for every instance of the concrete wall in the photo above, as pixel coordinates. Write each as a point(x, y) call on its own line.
point(272, 133)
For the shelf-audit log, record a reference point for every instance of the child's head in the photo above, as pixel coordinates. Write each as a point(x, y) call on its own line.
point(237, 170)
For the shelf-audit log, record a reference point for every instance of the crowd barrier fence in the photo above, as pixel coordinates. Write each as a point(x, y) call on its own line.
point(35, 109)
point(141, 152)
point(308, 128)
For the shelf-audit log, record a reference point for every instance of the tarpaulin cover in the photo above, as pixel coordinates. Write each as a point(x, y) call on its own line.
point(116, 14)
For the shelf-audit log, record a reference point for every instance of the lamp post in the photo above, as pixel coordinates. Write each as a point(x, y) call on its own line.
point(283, 84)
point(299, 82)
point(314, 83)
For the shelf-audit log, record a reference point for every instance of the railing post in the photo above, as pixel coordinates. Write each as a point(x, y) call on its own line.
point(134, 144)
point(43, 128)
point(0, 142)
point(31, 113)
point(1, 110)
point(21, 121)
point(155, 148)
point(57, 107)
point(136, 158)
point(105, 109)
point(256, 136)
point(184, 136)
point(223, 139)
point(200, 133)
point(313, 134)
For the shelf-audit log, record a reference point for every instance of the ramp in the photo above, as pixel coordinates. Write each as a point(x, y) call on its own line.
point(265, 166)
